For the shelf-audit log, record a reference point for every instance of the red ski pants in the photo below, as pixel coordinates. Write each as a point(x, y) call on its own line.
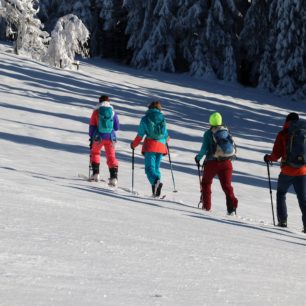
point(109, 152)
point(224, 170)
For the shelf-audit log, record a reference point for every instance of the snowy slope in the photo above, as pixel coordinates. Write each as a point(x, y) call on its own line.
point(64, 241)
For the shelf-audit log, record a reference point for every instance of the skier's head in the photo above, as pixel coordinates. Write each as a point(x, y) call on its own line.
point(215, 119)
point(155, 104)
point(103, 98)
point(292, 116)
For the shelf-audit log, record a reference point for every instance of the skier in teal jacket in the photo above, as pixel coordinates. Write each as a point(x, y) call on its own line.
point(215, 165)
point(153, 127)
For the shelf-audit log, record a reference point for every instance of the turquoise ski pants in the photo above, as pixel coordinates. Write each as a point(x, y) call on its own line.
point(152, 164)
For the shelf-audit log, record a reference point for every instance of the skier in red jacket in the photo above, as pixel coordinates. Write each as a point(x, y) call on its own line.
point(288, 176)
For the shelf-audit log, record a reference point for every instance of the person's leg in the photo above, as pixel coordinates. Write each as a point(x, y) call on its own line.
point(111, 161)
point(283, 184)
point(300, 189)
point(150, 167)
point(210, 170)
point(158, 184)
point(95, 152)
point(158, 160)
point(95, 159)
point(110, 154)
point(225, 176)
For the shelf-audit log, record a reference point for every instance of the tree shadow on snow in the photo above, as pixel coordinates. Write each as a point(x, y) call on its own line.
point(186, 210)
point(187, 107)
point(277, 231)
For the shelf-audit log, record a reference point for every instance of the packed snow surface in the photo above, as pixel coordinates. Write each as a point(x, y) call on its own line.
point(65, 241)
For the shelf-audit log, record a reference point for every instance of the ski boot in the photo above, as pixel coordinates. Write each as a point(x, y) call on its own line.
point(157, 188)
point(113, 180)
point(282, 223)
point(95, 177)
point(231, 208)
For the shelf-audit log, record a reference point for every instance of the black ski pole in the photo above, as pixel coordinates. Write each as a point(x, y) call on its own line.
point(268, 168)
point(174, 190)
point(199, 173)
point(133, 159)
point(90, 167)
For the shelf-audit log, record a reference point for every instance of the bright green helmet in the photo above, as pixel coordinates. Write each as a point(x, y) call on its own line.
point(215, 119)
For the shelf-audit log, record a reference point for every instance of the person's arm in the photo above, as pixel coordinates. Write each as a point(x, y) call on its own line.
point(167, 137)
point(93, 124)
point(277, 151)
point(116, 122)
point(205, 146)
point(140, 134)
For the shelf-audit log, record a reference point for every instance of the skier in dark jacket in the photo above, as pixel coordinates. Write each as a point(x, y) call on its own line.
point(288, 176)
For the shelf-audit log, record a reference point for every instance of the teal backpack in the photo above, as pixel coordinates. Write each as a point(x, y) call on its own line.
point(296, 144)
point(156, 125)
point(106, 119)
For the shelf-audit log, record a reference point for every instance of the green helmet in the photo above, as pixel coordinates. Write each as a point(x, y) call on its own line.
point(215, 119)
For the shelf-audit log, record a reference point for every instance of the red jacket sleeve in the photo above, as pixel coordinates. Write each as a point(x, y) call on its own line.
point(94, 118)
point(279, 147)
point(136, 141)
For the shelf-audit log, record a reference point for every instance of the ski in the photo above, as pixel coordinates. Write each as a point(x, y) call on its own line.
point(162, 197)
point(147, 197)
point(127, 190)
point(86, 178)
point(110, 186)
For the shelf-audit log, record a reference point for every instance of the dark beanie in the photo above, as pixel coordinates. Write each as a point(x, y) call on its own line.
point(103, 98)
point(292, 116)
point(155, 104)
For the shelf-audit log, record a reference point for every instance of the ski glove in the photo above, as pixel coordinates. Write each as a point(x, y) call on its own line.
point(135, 142)
point(267, 159)
point(197, 160)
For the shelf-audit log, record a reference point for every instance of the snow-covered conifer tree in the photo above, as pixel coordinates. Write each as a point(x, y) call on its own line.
point(51, 10)
point(222, 38)
point(108, 13)
point(230, 68)
point(156, 45)
point(30, 39)
point(267, 70)
point(253, 38)
point(82, 9)
point(190, 23)
point(138, 24)
point(200, 65)
point(282, 68)
point(135, 11)
point(68, 38)
point(2, 23)
point(290, 55)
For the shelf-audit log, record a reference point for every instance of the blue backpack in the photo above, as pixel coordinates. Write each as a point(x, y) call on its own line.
point(156, 125)
point(106, 119)
point(223, 144)
point(296, 144)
